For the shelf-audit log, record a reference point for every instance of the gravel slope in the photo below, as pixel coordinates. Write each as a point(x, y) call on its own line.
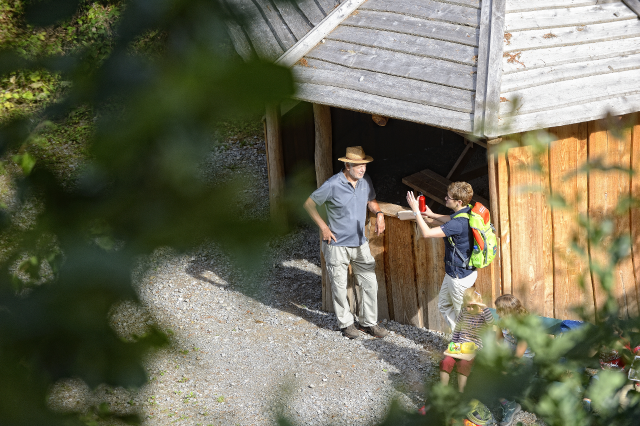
point(244, 352)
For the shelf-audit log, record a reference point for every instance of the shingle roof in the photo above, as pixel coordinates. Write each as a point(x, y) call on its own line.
point(493, 67)
point(271, 27)
point(569, 64)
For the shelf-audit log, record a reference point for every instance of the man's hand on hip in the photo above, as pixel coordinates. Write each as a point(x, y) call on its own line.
point(380, 226)
point(327, 235)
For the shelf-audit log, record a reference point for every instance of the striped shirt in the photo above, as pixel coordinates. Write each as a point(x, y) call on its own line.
point(470, 325)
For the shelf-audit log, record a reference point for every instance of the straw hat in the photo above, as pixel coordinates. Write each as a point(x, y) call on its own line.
point(356, 155)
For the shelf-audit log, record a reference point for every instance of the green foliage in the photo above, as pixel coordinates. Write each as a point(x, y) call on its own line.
point(73, 131)
point(104, 169)
point(90, 27)
point(25, 90)
point(25, 161)
point(88, 33)
point(136, 109)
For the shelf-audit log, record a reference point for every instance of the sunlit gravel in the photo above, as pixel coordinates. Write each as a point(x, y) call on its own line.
point(249, 347)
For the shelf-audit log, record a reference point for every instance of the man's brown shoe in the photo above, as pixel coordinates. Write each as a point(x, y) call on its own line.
point(375, 331)
point(351, 332)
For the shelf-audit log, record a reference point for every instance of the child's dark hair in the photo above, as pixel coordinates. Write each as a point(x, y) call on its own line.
point(509, 305)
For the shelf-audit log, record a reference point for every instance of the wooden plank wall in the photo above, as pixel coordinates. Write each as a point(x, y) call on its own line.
point(635, 212)
point(539, 263)
point(400, 273)
point(530, 234)
point(605, 191)
point(566, 156)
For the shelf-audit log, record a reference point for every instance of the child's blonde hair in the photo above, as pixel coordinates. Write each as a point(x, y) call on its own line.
point(509, 305)
point(471, 296)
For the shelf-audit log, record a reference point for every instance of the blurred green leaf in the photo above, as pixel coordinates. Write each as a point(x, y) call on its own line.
point(25, 161)
point(557, 201)
point(604, 391)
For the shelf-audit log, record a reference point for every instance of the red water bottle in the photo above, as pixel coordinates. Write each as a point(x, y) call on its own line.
point(422, 202)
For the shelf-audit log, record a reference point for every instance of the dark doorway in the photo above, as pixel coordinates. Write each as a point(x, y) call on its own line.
point(399, 149)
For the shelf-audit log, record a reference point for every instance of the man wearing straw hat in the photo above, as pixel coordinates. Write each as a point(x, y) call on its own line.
point(346, 196)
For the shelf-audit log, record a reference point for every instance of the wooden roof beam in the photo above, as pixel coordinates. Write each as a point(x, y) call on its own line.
point(472, 138)
point(489, 126)
point(315, 36)
point(482, 67)
point(633, 5)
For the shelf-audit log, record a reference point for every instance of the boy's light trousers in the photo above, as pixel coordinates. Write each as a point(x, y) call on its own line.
point(450, 297)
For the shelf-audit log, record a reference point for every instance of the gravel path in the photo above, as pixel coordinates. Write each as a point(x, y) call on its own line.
point(243, 352)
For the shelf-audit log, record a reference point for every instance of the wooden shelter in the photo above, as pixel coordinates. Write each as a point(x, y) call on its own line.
point(491, 70)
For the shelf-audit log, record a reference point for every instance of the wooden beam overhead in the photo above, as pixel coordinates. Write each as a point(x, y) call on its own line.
point(494, 71)
point(315, 36)
point(472, 138)
point(324, 170)
point(633, 5)
point(482, 67)
point(459, 160)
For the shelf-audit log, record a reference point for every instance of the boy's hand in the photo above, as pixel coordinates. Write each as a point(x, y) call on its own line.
point(413, 203)
point(427, 212)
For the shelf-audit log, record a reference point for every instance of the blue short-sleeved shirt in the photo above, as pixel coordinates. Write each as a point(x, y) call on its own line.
point(462, 235)
point(346, 207)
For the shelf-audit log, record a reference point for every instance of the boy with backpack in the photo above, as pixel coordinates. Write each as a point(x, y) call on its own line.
point(469, 239)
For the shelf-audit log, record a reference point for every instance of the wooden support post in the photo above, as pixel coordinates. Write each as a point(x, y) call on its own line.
point(324, 170)
point(275, 159)
point(323, 153)
point(505, 234)
point(492, 162)
point(420, 261)
point(376, 244)
point(635, 193)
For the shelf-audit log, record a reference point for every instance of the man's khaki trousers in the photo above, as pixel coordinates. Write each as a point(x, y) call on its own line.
point(363, 266)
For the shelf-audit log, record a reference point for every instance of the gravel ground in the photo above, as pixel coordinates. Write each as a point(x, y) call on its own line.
point(244, 352)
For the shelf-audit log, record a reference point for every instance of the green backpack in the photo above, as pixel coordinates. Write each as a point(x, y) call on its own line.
point(484, 235)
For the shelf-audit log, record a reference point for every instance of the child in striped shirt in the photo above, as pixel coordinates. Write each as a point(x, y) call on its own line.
point(473, 317)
